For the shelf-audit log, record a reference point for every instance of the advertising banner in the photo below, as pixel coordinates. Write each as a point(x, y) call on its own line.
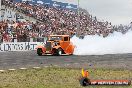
point(19, 46)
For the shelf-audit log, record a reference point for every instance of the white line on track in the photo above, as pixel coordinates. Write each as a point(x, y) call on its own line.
point(36, 67)
point(23, 68)
point(11, 69)
point(26, 68)
point(2, 70)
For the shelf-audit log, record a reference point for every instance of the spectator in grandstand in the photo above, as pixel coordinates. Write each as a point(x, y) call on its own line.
point(56, 21)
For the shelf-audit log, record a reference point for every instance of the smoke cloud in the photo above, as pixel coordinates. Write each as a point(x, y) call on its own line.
point(116, 43)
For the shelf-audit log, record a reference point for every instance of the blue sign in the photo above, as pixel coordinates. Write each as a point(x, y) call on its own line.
point(52, 3)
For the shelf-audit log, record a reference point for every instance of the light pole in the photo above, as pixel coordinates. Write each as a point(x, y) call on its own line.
point(0, 10)
point(78, 18)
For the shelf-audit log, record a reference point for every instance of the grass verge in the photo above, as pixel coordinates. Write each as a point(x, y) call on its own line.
point(53, 77)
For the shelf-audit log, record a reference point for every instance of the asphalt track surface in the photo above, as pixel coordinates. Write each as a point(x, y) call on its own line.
point(30, 59)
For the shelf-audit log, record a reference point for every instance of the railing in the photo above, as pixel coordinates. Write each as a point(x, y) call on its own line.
point(28, 39)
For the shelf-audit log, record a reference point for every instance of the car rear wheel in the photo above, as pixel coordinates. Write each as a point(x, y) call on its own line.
point(39, 52)
point(59, 52)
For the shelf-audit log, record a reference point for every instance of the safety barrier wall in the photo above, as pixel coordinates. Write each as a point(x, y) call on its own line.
point(19, 46)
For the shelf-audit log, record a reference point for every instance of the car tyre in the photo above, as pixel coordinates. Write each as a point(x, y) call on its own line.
point(59, 52)
point(39, 52)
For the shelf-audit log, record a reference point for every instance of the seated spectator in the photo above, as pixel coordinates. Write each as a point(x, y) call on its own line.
point(52, 20)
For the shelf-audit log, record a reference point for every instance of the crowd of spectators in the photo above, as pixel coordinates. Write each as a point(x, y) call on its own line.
point(54, 20)
point(10, 30)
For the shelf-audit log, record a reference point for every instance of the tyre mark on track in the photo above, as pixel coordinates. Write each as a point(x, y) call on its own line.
point(23, 59)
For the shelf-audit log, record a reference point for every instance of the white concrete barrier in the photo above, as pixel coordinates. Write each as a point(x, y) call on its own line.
point(19, 46)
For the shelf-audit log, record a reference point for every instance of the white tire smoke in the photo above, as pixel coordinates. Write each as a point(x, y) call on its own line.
point(115, 43)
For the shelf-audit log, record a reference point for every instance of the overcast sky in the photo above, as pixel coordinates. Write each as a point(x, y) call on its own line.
point(115, 11)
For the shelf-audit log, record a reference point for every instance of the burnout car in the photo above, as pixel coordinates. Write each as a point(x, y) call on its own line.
point(56, 45)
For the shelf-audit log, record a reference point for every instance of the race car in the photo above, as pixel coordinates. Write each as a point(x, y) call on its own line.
point(56, 45)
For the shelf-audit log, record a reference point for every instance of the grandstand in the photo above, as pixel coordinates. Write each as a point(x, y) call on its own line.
point(51, 19)
point(51, 3)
